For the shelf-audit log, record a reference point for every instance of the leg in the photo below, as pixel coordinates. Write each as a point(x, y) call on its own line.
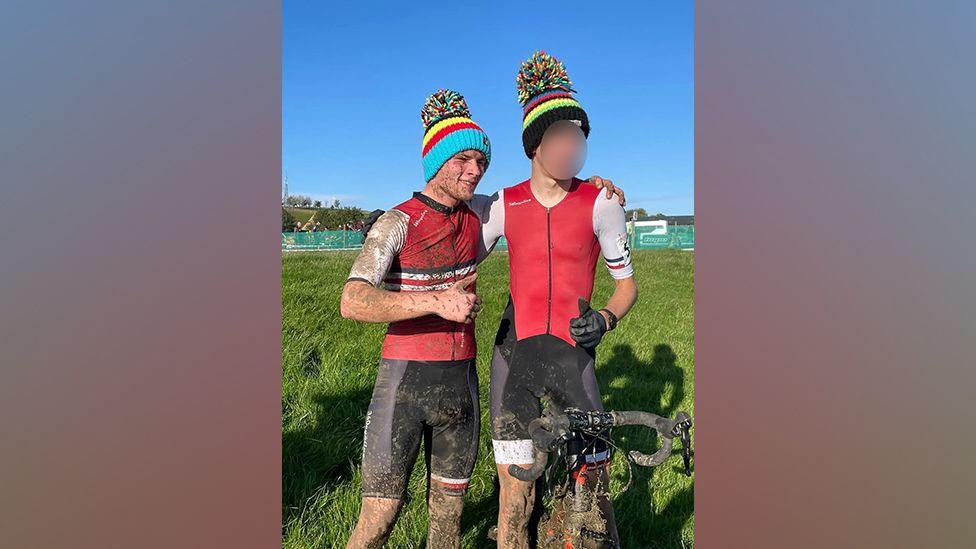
point(444, 531)
point(376, 519)
point(576, 387)
point(512, 445)
point(452, 449)
point(515, 384)
point(514, 509)
point(390, 445)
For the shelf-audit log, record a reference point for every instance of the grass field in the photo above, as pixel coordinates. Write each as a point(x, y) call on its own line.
point(329, 365)
point(301, 214)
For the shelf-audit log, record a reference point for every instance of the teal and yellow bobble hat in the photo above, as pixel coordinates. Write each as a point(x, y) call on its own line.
point(448, 130)
point(546, 95)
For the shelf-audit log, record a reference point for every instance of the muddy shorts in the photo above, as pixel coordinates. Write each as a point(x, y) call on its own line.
point(436, 401)
point(522, 374)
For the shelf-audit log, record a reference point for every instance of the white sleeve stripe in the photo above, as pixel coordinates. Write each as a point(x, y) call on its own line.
point(434, 276)
point(610, 227)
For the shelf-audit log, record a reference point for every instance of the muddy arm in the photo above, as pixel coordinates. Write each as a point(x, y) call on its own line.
point(363, 302)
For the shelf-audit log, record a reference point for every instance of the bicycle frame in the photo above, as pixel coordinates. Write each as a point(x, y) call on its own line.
point(576, 520)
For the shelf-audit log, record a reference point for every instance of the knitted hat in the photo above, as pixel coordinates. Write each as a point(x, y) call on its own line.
point(546, 95)
point(448, 130)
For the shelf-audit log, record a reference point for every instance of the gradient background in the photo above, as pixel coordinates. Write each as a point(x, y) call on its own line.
point(140, 275)
point(834, 272)
point(140, 320)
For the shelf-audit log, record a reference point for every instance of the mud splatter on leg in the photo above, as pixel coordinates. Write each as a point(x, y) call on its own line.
point(444, 531)
point(514, 510)
point(376, 519)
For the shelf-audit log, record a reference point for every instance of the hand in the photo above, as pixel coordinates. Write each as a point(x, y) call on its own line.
point(588, 328)
point(373, 216)
point(475, 310)
point(457, 304)
point(601, 183)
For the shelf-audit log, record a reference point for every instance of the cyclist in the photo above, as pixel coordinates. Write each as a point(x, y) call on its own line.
point(601, 217)
point(416, 271)
point(556, 227)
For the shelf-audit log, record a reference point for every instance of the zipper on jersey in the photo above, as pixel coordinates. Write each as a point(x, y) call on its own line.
point(549, 254)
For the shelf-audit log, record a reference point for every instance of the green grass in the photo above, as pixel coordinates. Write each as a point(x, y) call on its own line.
point(301, 214)
point(329, 365)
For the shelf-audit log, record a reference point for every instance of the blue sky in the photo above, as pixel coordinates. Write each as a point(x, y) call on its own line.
point(355, 77)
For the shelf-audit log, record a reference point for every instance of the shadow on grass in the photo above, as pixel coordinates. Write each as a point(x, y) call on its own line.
point(642, 384)
point(324, 454)
point(630, 383)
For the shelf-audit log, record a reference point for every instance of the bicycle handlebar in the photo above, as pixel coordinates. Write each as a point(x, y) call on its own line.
point(543, 431)
point(551, 429)
point(668, 429)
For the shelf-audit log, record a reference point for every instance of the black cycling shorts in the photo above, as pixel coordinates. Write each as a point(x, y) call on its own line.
point(522, 374)
point(433, 400)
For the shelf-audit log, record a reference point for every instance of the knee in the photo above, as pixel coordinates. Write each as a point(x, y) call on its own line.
point(448, 487)
point(445, 503)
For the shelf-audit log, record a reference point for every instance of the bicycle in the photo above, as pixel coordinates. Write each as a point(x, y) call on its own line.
point(575, 520)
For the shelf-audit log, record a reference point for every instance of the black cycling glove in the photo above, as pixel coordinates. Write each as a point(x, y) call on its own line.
point(588, 328)
point(368, 224)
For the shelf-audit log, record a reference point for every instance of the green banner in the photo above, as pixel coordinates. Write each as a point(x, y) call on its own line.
point(321, 240)
point(643, 238)
point(677, 237)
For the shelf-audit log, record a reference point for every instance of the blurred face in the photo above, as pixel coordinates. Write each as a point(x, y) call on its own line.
point(562, 150)
point(459, 176)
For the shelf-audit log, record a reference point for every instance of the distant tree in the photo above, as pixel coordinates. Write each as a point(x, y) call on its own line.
point(287, 220)
point(318, 203)
point(335, 204)
point(336, 217)
point(299, 201)
point(641, 212)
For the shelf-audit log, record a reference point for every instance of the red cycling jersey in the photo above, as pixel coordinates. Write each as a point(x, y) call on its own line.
point(421, 246)
point(552, 254)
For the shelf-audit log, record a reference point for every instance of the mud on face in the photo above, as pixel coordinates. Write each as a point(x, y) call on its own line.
point(460, 175)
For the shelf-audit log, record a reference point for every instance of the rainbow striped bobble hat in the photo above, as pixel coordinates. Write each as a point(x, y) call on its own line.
point(546, 95)
point(448, 130)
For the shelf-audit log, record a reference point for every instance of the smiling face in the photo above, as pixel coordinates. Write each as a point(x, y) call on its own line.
point(459, 176)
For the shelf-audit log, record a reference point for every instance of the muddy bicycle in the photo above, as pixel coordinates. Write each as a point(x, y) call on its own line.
point(574, 520)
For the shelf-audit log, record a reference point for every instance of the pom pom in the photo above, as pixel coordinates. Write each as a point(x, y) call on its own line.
point(541, 73)
point(443, 104)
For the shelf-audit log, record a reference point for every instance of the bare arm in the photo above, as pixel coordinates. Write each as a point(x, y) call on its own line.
point(623, 298)
point(366, 303)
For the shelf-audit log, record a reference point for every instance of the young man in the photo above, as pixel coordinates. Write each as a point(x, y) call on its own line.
point(556, 228)
point(490, 211)
point(424, 251)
